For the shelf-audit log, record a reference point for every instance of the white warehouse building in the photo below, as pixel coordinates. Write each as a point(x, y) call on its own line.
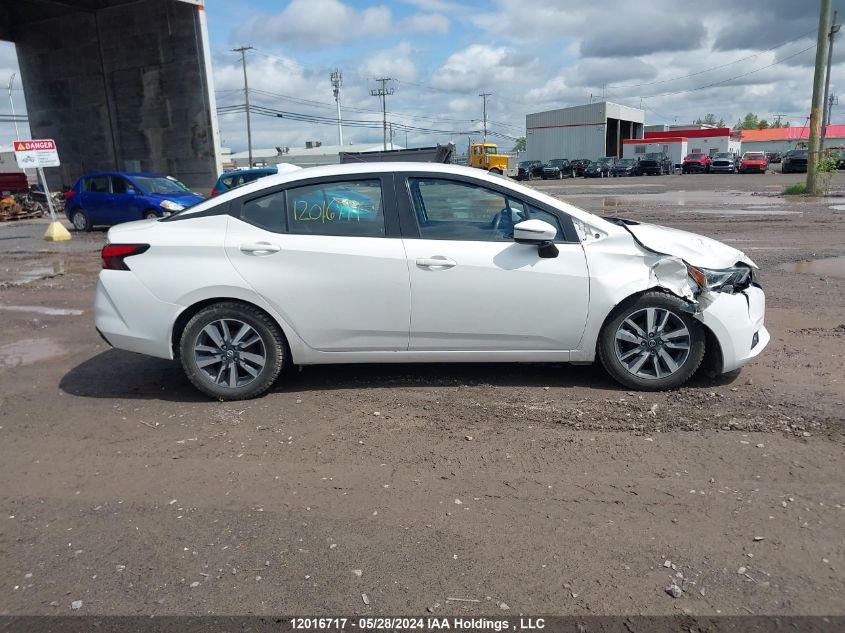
point(587, 131)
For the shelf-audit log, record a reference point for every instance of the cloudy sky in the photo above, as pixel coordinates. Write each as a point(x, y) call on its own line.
point(678, 60)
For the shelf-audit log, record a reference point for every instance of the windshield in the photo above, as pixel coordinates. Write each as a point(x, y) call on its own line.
point(625, 162)
point(491, 149)
point(160, 185)
point(557, 162)
point(653, 155)
point(526, 163)
point(754, 156)
point(724, 155)
point(797, 153)
point(695, 156)
point(605, 161)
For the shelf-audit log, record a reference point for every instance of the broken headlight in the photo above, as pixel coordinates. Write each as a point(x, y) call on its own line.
point(722, 280)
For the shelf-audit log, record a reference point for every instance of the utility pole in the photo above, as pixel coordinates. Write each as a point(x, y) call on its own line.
point(484, 96)
point(242, 50)
point(12, 104)
point(337, 82)
point(817, 107)
point(383, 93)
point(828, 100)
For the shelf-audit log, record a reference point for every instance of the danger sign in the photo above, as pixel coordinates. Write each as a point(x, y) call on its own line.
point(36, 153)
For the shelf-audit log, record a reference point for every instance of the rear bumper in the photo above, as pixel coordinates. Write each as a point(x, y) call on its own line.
point(130, 317)
point(736, 320)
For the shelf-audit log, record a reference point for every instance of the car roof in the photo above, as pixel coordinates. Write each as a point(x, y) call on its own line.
point(142, 174)
point(251, 170)
point(354, 169)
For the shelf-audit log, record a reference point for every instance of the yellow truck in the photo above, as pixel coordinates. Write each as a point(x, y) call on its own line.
point(486, 156)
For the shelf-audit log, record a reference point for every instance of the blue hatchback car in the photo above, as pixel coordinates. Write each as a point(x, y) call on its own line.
point(107, 198)
point(238, 177)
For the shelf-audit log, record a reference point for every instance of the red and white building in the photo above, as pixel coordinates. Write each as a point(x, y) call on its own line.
point(678, 143)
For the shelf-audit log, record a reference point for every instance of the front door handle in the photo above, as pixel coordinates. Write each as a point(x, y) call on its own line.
point(436, 263)
point(260, 248)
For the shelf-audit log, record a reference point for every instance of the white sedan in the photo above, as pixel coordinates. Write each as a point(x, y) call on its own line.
point(420, 262)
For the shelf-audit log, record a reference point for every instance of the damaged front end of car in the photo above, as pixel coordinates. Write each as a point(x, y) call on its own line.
point(718, 283)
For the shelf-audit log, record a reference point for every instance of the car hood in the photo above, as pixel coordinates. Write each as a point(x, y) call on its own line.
point(694, 249)
point(186, 198)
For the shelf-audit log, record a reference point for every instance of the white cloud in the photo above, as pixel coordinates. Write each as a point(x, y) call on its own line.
point(318, 24)
point(426, 23)
point(396, 62)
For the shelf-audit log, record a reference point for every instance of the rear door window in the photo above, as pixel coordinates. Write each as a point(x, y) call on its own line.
point(350, 208)
point(97, 184)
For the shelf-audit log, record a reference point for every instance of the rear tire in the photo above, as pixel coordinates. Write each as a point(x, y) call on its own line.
point(663, 356)
point(80, 220)
point(232, 351)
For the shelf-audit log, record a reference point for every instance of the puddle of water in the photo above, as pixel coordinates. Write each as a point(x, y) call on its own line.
point(762, 210)
point(830, 266)
point(43, 310)
point(694, 198)
point(23, 276)
point(28, 351)
point(838, 207)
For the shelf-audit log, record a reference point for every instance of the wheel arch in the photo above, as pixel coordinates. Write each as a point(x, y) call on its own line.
point(713, 358)
point(189, 312)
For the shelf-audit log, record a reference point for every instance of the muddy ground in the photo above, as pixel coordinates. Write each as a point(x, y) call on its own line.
point(526, 489)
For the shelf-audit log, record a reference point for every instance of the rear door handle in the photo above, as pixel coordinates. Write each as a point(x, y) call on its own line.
point(438, 263)
point(260, 248)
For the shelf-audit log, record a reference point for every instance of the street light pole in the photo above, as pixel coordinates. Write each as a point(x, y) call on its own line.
point(12, 104)
point(242, 50)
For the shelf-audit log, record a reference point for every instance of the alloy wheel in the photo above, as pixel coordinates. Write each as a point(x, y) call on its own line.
point(652, 343)
point(229, 353)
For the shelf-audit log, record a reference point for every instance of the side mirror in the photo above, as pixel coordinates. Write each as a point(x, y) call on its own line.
point(132, 191)
point(533, 232)
point(537, 232)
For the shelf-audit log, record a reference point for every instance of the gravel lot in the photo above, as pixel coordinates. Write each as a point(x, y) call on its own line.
point(529, 489)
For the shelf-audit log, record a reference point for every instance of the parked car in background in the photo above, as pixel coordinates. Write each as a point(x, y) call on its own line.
point(231, 179)
point(624, 167)
point(529, 169)
point(794, 161)
point(557, 168)
point(108, 198)
point(696, 163)
point(601, 168)
point(753, 161)
point(288, 281)
point(579, 166)
point(655, 164)
point(774, 157)
point(723, 163)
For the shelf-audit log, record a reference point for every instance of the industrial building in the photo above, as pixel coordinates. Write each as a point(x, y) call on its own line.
point(678, 142)
point(312, 155)
point(118, 84)
point(783, 139)
point(587, 131)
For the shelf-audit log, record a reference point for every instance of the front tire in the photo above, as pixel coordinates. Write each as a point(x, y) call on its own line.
point(232, 351)
point(652, 343)
point(150, 215)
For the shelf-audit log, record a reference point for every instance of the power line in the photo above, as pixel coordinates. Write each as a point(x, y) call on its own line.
point(723, 81)
point(707, 70)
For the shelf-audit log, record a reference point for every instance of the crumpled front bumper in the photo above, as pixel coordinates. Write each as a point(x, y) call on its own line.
point(736, 320)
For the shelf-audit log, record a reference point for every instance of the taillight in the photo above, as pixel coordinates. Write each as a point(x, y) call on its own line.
point(213, 191)
point(69, 194)
point(114, 254)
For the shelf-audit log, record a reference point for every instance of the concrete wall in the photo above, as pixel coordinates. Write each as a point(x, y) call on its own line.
point(122, 87)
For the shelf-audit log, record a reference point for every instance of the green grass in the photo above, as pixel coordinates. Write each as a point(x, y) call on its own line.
point(796, 189)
